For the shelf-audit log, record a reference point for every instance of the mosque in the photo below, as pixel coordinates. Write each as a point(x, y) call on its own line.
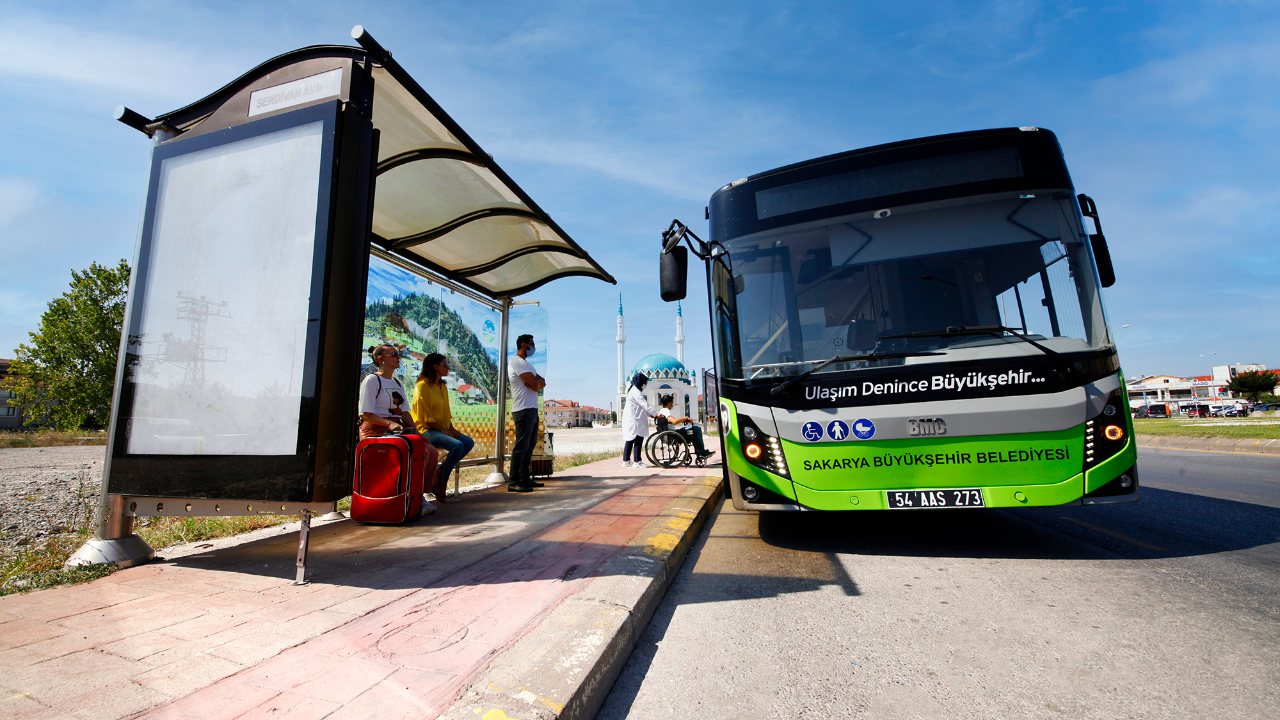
point(667, 375)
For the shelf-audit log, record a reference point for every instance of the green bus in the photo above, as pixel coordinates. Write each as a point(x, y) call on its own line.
point(913, 325)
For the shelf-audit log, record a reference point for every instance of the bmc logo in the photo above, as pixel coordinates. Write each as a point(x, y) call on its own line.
point(927, 426)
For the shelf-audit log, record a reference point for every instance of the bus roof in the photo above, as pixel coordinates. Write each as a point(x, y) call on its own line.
point(895, 174)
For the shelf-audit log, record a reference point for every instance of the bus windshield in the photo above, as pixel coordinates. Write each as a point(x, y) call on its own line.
point(806, 293)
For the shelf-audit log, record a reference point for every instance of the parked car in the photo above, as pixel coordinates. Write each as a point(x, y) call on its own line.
point(1196, 410)
point(1159, 410)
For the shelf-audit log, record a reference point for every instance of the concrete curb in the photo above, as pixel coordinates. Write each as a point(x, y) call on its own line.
point(565, 667)
point(1253, 446)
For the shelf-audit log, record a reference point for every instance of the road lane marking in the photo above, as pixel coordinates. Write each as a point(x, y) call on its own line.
point(1135, 542)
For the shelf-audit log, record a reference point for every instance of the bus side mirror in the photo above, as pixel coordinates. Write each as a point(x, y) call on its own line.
point(673, 273)
point(1102, 255)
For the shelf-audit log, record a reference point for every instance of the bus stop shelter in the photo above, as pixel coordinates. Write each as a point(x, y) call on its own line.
point(266, 200)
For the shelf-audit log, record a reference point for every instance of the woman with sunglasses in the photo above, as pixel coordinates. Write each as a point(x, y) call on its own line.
point(434, 419)
point(382, 403)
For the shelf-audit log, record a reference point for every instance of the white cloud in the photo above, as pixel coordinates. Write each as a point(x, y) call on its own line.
point(631, 165)
point(131, 65)
point(1226, 83)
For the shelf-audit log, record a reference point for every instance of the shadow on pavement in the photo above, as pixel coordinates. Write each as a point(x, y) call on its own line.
point(1178, 524)
point(1181, 524)
point(489, 537)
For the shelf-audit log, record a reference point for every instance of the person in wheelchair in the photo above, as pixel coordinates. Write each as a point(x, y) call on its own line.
point(683, 425)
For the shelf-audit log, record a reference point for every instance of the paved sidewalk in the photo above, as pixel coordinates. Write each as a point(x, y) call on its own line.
point(397, 621)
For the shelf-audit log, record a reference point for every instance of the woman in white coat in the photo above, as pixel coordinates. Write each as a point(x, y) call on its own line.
point(635, 421)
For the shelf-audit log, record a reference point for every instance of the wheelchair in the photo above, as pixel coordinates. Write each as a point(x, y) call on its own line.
point(671, 448)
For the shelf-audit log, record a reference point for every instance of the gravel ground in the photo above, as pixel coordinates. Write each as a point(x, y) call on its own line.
point(46, 491)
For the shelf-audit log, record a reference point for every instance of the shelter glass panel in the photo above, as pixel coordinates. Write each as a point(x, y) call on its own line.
point(222, 337)
point(419, 317)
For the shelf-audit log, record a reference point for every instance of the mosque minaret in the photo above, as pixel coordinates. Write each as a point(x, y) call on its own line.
point(622, 357)
point(679, 333)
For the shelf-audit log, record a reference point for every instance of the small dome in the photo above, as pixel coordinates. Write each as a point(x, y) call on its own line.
point(659, 365)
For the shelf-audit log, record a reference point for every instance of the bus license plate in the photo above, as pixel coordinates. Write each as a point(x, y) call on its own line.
point(916, 499)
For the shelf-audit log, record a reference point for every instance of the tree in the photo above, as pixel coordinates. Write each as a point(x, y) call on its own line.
point(66, 375)
point(1253, 384)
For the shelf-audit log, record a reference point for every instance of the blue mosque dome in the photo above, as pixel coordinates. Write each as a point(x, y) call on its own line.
point(660, 365)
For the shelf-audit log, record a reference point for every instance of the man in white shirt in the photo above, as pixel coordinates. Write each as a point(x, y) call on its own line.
point(525, 384)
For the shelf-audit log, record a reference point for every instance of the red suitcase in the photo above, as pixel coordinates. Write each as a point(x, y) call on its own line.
point(390, 471)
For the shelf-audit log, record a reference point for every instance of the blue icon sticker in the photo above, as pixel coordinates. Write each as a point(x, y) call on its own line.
point(864, 429)
point(837, 430)
point(812, 431)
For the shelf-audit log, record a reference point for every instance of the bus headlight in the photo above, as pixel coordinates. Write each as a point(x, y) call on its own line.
point(1104, 433)
point(763, 451)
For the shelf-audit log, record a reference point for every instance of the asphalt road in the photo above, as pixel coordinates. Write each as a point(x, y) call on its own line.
point(1165, 608)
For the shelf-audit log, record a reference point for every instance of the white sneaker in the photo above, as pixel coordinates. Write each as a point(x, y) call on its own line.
point(643, 465)
point(626, 463)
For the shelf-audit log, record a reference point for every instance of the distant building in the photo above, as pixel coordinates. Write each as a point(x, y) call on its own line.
point(1225, 373)
point(10, 416)
point(1205, 388)
point(567, 413)
point(469, 394)
point(668, 376)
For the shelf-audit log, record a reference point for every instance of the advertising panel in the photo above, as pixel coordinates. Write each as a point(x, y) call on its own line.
point(420, 317)
point(223, 325)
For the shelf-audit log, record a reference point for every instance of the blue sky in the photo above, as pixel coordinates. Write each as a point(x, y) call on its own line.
point(617, 117)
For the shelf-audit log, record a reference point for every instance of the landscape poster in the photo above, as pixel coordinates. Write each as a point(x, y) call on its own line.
point(420, 317)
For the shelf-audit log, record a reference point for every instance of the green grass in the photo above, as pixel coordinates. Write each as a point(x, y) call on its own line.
point(40, 566)
point(1267, 428)
point(50, 438)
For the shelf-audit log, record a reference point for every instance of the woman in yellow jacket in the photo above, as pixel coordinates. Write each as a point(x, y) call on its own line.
point(433, 419)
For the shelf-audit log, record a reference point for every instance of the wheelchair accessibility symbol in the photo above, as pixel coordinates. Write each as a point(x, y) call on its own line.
point(812, 431)
point(864, 429)
point(837, 430)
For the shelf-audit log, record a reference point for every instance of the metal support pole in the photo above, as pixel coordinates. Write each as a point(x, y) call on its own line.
point(500, 437)
point(304, 534)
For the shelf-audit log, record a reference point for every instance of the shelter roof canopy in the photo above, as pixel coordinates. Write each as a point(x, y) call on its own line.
point(440, 201)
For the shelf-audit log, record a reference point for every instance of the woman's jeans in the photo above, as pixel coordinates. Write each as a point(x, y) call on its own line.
point(456, 447)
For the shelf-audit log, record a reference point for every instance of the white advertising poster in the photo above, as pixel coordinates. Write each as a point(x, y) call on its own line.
point(224, 320)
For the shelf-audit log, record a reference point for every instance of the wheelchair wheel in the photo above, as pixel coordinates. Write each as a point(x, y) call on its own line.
point(667, 449)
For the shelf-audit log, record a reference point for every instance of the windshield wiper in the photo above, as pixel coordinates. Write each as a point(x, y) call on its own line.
point(954, 331)
point(873, 355)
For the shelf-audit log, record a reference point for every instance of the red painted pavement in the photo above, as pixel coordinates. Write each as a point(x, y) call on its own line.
point(397, 622)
